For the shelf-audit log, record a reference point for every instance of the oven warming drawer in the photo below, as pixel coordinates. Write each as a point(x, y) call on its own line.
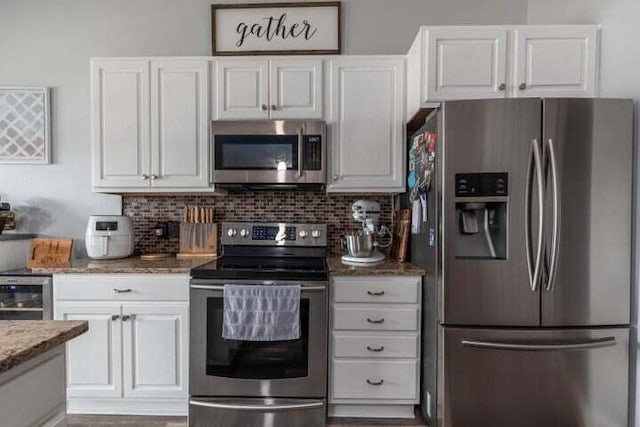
point(206, 412)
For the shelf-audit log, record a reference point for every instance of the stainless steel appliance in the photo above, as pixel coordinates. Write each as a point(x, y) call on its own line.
point(25, 295)
point(263, 154)
point(527, 245)
point(260, 383)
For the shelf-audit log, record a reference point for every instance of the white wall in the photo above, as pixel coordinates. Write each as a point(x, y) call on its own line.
point(49, 43)
point(620, 62)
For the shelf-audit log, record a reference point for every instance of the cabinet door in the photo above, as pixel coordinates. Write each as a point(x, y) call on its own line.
point(179, 123)
point(120, 122)
point(242, 90)
point(465, 63)
point(295, 88)
point(366, 99)
point(155, 349)
point(556, 61)
point(94, 359)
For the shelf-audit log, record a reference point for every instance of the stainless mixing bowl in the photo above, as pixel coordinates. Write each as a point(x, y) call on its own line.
point(358, 245)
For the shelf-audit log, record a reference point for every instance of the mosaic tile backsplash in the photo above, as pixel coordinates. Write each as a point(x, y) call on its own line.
point(265, 206)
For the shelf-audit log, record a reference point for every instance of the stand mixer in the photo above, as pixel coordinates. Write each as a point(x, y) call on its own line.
point(360, 247)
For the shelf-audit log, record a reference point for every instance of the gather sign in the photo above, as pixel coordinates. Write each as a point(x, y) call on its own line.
point(276, 28)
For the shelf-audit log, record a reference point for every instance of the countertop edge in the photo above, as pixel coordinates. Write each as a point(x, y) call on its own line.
point(384, 268)
point(131, 265)
point(43, 346)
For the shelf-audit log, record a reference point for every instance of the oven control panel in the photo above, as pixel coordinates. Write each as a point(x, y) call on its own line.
point(274, 234)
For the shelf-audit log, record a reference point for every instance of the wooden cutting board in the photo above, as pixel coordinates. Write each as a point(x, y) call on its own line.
point(401, 228)
point(49, 252)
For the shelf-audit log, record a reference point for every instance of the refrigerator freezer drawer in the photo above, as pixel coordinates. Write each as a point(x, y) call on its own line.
point(533, 378)
point(355, 379)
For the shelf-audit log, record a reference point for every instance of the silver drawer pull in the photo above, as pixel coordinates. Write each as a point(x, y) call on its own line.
point(115, 317)
point(374, 382)
point(127, 317)
point(121, 291)
point(376, 294)
point(375, 349)
point(381, 320)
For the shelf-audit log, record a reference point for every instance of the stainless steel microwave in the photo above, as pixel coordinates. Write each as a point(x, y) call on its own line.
point(269, 154)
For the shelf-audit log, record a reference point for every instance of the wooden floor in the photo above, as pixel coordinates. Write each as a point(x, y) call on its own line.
point(136, 421)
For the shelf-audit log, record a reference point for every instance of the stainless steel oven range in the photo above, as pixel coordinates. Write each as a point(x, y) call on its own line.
point(260, 383)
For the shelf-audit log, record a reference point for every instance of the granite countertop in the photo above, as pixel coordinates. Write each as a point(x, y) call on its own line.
point(22, 340)
point(134, 265)
point(386, 267)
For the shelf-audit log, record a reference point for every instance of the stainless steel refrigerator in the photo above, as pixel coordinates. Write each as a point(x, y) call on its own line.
point(527, 244)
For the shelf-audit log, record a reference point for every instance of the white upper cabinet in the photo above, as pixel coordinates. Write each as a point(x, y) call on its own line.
point(556, 61)
point(473, 62)
point(295, 88)
point(242, 89)
point(179, 123)
point(262, 89)
point(120, 118)
point(366, 126)
point(466, 62)
point(150, 123)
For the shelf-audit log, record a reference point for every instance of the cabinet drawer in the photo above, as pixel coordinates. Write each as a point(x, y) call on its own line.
point(373, 318)
point(121, 287)
point(377, 290)
point(354, 379)
point(375, 345)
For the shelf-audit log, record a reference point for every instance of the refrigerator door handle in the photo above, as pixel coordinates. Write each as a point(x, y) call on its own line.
point(533, 266)
point(556, 346)
point(555, 234)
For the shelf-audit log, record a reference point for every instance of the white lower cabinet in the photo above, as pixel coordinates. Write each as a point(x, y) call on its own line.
point(374, 346)
point(134, 358)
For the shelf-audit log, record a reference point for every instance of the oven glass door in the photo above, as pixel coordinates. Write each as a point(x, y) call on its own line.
point(220, 367)
point(21, 302)
point(255, 359)
point(256, 152)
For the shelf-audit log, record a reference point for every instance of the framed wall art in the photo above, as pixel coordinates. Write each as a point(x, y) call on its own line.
point(25, 134)
point(276, 28)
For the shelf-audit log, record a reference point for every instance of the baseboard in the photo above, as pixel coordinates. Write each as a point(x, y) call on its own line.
point(118, 406)
point(371, 411)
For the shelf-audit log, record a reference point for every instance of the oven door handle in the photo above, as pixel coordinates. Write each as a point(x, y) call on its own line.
point(260, 408)
point(303, 288)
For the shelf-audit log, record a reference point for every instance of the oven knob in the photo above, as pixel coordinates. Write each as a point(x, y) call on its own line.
point(315, 234)
point(244, 232)
point(231, 232)
point(303, 233)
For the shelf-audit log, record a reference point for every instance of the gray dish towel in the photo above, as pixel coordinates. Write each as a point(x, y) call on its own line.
point(261, 312)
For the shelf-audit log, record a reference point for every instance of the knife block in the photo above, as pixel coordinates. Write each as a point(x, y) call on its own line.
point(198, 240)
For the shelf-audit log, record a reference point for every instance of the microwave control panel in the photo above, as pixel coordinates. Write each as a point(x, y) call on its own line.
point(312, 152)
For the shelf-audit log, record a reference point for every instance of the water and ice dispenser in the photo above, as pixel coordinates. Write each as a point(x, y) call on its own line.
point(481, 215)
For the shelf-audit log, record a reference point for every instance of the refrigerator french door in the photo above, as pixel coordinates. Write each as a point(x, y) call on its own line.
point(563, 224)
point(535, 262)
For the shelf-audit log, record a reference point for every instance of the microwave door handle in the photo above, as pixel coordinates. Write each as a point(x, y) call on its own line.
point(300, 148)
